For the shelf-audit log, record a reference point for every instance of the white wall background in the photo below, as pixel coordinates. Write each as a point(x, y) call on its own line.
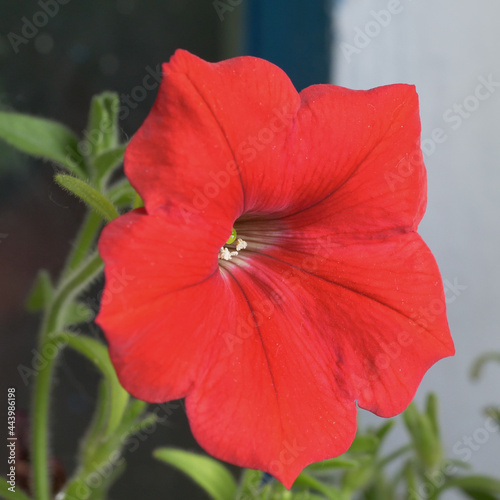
point(445, 48)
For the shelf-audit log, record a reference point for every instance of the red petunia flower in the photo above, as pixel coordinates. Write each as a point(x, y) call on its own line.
point(335, 298)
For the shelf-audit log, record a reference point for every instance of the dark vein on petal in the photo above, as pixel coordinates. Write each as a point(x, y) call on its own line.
point(337, 188)
point(261, 341)
point(333, 191)
point(345, 287)
point(221, 128)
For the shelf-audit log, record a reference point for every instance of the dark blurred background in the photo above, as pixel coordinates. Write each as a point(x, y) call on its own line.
point(53, 71)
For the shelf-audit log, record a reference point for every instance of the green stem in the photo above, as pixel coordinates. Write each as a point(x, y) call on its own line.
point(41, 473)
point(11, 495)
point(68, 289)
point(53, 320)
point(84, 240)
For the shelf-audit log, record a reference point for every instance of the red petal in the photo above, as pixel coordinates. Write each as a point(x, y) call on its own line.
point(362, 163)
point(259, 397)
point(208, 122)
point(384, 305)
point(161, 293)
point(229, 137)
point(269, 399)
point(310, 337)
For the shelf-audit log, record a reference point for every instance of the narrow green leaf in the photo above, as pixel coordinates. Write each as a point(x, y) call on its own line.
point(250, 482)
point(207, 472)
point(41, 293)
point(422, 431)
point(476, 483)
point(138, 203)
point(494, 413)
point(134, 410)
point(332, 463)
point(97, 353)
point(395, 455)
point(459, 463)
point(102, 128)
point(384, 429)
point(77, 312)
point(8, 494)
point(122, 194)
point(306, 482)
point(410, 476)
point(432, 410)
point(89, 195)
point(480, 362)
point(97, 428)
point(478, 495)
point(107, 162)
point(364, 444)
point(42, 138)
point(360, 477)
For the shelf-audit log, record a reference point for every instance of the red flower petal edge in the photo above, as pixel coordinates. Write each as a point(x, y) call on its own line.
point(335, 298)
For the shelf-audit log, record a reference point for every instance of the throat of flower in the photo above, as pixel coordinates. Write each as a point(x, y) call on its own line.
point(232, 249)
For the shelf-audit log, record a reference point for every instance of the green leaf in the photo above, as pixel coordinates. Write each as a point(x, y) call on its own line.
point(42, 138)
point(432, 410)
point(41, 293)
point(11, 495)
point(77, 312)
point(384, 429)
point(396, 454)
point(250, 484)
point(459, 463)
point(332, 463)
point(306, 482)
point(138, 202)
point(358, 478)
point(422, 431)
point(474, 484)
point(102, 128)
point(493, 413)
point(410, 476)
point(97, 353)
point(122, 194)
point(477, 495)
point(207, 472)
point(364, 444)
point(107, 162)
point(480, 362)
point(89, 195)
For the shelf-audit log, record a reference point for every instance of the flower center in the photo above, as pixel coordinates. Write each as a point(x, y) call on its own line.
point(226, 253)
